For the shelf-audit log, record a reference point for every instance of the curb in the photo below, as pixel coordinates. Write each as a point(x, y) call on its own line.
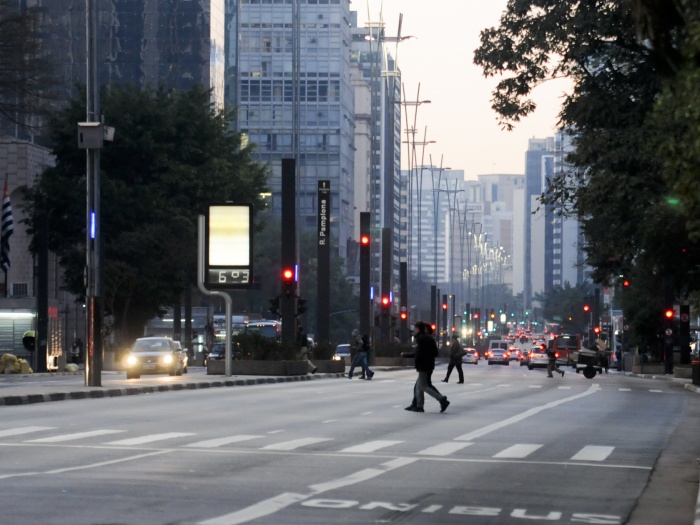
point(131, 391)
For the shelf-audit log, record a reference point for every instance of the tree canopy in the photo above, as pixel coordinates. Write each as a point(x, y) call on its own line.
point(628, 178)
point(172, 156)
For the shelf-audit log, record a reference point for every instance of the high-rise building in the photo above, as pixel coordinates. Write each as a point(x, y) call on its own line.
point(384, 198)
point(302, 106)
point(547, 244)
point(150, 43)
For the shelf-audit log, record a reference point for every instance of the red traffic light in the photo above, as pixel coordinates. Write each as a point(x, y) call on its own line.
point(386, 301)
point(475, 316)
point(586, 308)
point(597, 329)
point(625, 283)
point(669, 313)
point(364, 240)
point(444, 306)
point(288, 274)
point(404, 316)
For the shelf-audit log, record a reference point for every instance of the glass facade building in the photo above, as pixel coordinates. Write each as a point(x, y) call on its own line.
point(148, 43)
point(321, 119)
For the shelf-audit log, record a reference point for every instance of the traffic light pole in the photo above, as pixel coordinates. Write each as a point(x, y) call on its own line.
point(288, 251)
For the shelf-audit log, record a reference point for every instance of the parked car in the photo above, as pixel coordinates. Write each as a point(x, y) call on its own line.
point(499, 356)
point(538, 358)
point(154, 355)
point(471, 356)
point(217, 352)
point(342, 353)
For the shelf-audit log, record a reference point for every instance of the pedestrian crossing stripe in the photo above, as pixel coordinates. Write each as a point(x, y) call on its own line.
point(589, 453)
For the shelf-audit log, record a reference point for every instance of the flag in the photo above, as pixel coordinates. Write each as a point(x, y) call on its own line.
point(6, 230)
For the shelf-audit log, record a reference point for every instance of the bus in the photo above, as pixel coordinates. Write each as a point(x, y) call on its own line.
point(566, 347)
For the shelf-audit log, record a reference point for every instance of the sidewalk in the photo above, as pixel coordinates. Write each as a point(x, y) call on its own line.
point(23, 389)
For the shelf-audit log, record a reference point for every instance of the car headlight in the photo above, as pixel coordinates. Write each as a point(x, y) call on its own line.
point(168, 359)
point(131, 360)
point(336, 358)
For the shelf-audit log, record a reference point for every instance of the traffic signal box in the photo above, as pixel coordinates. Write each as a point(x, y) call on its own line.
point(288, 282)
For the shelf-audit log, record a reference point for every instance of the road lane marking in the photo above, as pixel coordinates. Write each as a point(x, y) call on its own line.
point(443, 449)
point(85, 467)
point(22, 430)
point(593, 453)
point(295, 443)
point(524, 415)
point(77, 435)
point(150, 438)
point(534, 386)
point(370, 446)
point(657, 391)
point(517, 451)
point(218, 442)
point(282, 501)
point(625, 389)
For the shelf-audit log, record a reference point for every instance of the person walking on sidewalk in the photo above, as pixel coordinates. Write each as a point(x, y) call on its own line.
point(425, 354)
point(551, 361)
point(455, 360)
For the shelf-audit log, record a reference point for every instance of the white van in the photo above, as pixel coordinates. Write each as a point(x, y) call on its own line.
point(498, 343)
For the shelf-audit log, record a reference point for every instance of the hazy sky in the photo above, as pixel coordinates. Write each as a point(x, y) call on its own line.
point(440, 60)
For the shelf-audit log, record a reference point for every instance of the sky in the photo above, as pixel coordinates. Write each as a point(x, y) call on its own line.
point(440, 61)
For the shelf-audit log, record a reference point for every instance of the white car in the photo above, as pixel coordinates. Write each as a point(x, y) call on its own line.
point(538, 358)
point(342, 353)
point(471, 356)
point(498, 356)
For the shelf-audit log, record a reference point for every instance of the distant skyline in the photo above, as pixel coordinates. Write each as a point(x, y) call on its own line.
point(440, 60)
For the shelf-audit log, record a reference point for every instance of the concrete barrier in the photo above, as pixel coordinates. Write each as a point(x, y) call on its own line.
point(254, 367)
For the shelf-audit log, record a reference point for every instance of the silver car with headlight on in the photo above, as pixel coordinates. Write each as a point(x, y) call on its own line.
point(154, 355)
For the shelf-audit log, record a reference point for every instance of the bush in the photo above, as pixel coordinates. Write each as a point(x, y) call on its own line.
point(254, 346)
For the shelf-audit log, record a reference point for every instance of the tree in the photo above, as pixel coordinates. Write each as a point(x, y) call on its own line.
point(25, 74)
point(617, 186)
point(172, 156)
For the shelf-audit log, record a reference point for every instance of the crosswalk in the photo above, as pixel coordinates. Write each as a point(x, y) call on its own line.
point(35, 435)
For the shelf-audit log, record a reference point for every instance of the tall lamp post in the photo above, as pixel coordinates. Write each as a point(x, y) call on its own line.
point(436, 217)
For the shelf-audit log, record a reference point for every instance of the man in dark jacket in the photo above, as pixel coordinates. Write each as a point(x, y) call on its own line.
point(425, 354)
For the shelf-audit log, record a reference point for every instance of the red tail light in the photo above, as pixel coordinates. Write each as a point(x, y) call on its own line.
point(556, 354)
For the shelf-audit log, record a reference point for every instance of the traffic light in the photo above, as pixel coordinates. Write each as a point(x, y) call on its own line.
point(669, 314)
point(364, 241)
point(275, 305)
point(625, 283)
point(444, 306)
point(404, 315)
point(288, 281)
point(586, 308)
point(597, 330)
point(386, 302)
point(492, 315)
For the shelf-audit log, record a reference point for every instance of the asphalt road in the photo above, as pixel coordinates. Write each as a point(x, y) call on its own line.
point(513, 447)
